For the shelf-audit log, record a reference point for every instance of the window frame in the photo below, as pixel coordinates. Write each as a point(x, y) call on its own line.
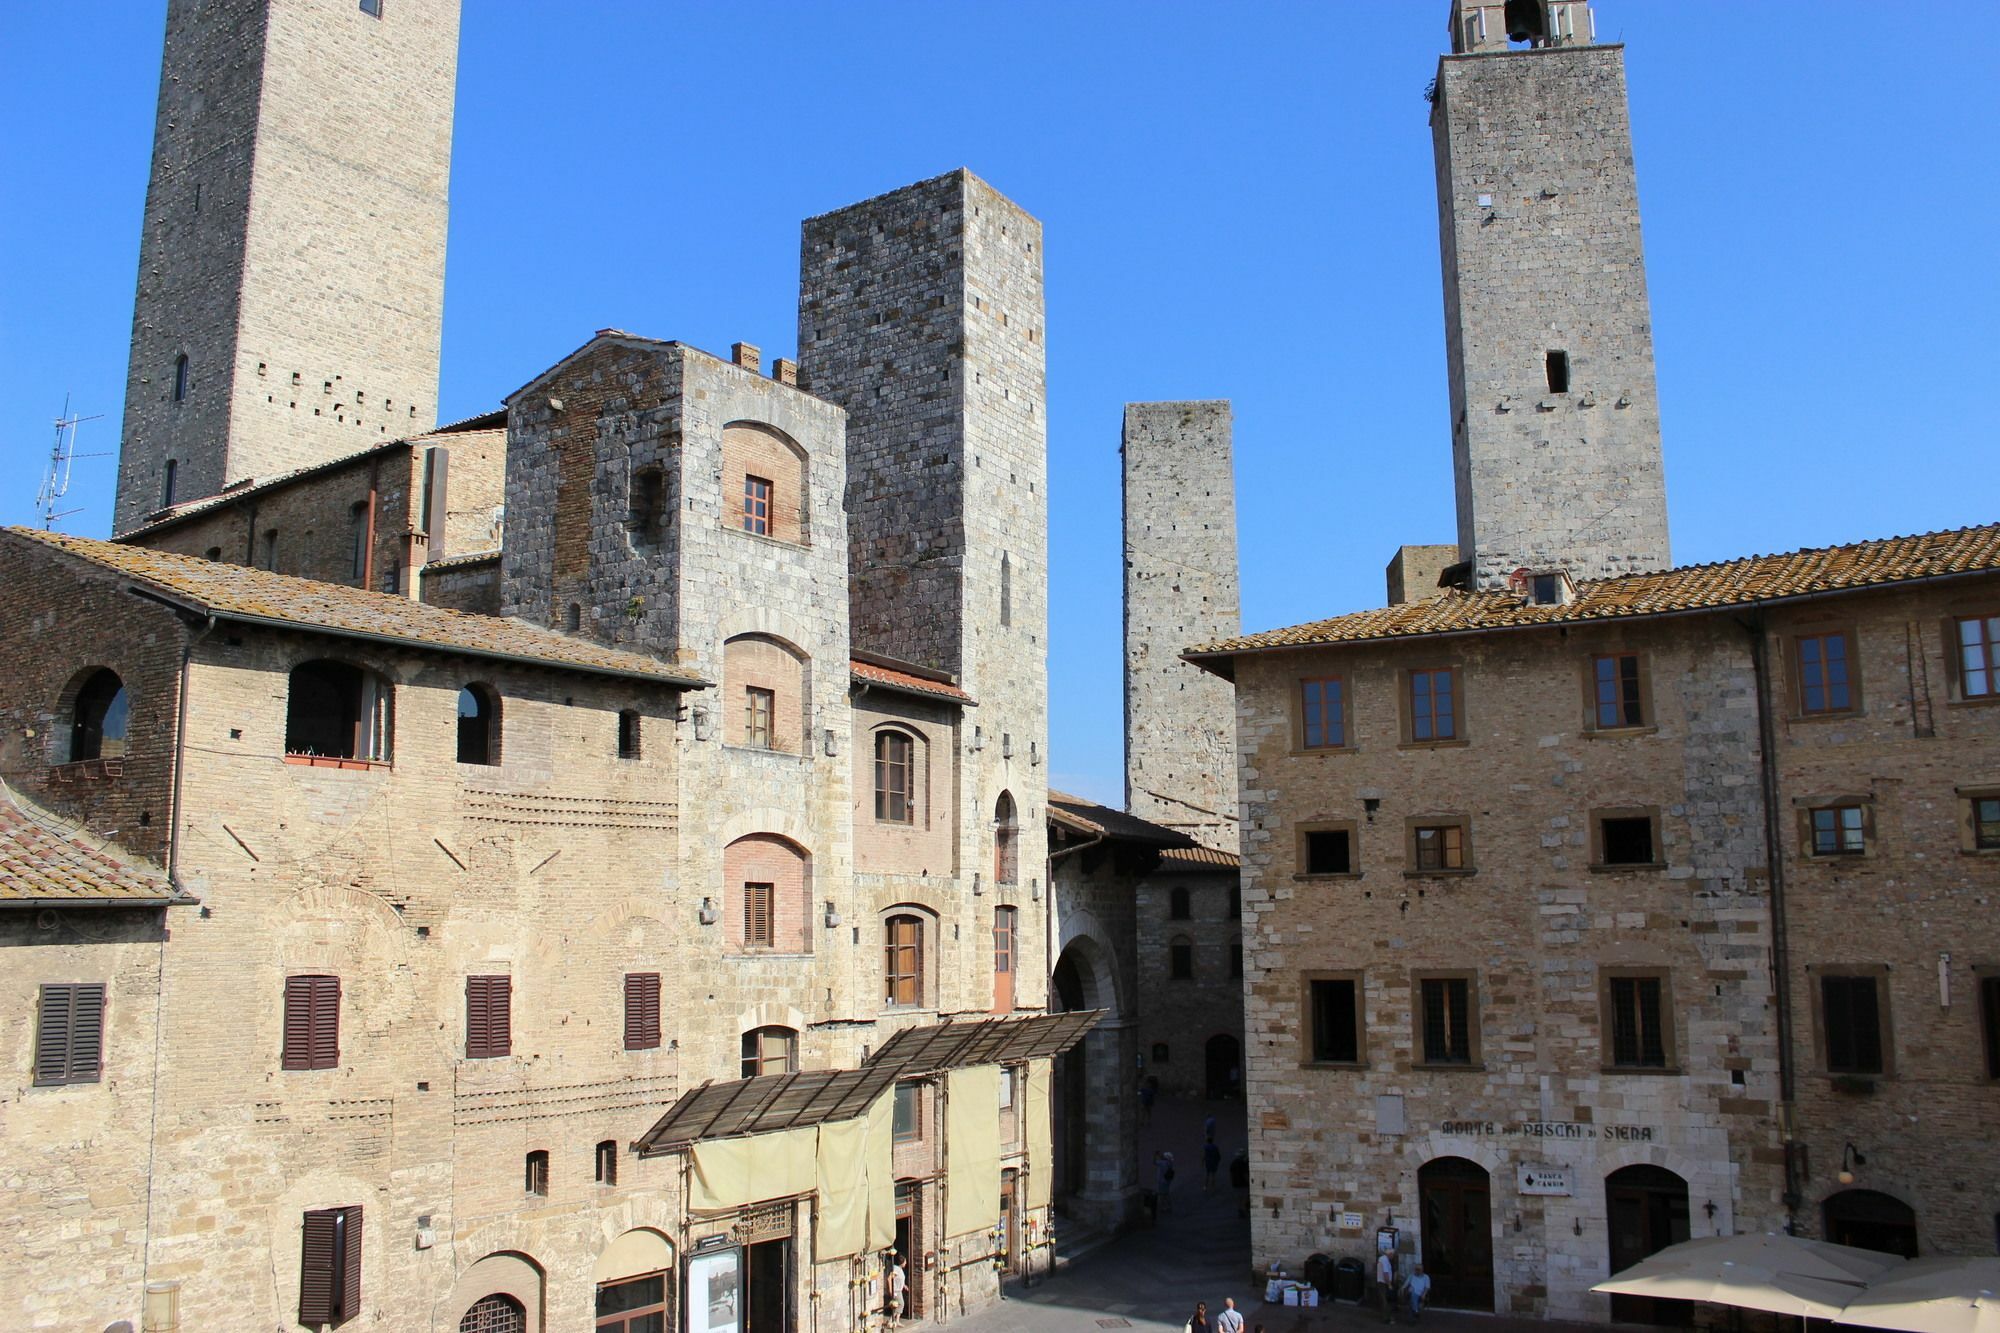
point(886, 768)
point(1987, 977)
point(1415, 825)
point(895, 952)
point(1969, 801)
point(604, 1163)
point(643, 1028)
point(1407, 679)
point(760, 895)
point(1795, 671)
point(911, 1095)
point(758, 1048)
point(92, 712)
point(1809, 813)
point(753, 695)
point(1180, 958)
point(1954, 656)
point(535, 1173)
point(1309, 1025)
point(1608, 978)
point(486, 993)
point(368, 718)
point(1303, 849)
point(1343, 719)
point(315, 999)
point(1421, 980)
point(1822, 1029)
point(1599, 859)
point(631, 736)
point(489, 714)
point(759, 497)
point(1593, 722)
point(1006, 840)
point(60, 1051)
point(342, 1300)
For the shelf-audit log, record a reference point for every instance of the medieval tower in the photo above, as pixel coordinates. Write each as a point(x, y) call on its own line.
point(291, 273)
point(1548, 332)
point(1180, 590)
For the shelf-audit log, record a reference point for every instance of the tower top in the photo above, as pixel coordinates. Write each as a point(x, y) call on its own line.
point(1479, 27)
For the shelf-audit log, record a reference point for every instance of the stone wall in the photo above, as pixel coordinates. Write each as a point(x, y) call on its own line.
point(1181, 1018)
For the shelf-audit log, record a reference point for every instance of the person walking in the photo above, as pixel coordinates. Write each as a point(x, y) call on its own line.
point(1385, 1285)
point(1417, 1290)
point(1211, 1162)
point(1145, 1101)
point(899, 1283)
point(1163, 1180)
point(1198, 1321)
point(1231, 1319)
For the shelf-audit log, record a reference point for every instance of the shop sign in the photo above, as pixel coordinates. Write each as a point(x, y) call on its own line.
point(1547, 1129)
point(1544, 1178)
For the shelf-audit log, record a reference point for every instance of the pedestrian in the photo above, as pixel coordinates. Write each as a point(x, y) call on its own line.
point(1231, 1319)
point(1211, 1162)
point(1163, 1179)
point(1417, 1290)
point(1385, 1285)
point(898, 1285)
point(1198, 1321)
point(1208, 1129)
point(1145, 1101)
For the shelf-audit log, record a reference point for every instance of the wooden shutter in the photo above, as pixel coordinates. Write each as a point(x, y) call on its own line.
point(757, 915)
point(312, 1023)
point(69, 1034)
point(330, 1267)
point(488, 1017)
point(642, 1011)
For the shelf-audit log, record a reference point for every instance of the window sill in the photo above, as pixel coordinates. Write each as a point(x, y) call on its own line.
point(753, 951)
point(1444, 873)
point(328, 761)
point(1613, 867)
point(1615, 733)
point(1837, 858)
point(785, 542)
point(1979, 851)
point(1832, 715)
point(1336, 1066)
point(1642, 1071)
point(740, 748)
point(1976, 701)
point(1448, 1067)
point(1301, 751)
point(1305, 876)
point(1453, 743)
point(88, 770)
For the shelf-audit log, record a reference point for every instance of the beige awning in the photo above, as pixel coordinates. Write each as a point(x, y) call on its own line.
point(1932, 1296)
point(1778, 1273)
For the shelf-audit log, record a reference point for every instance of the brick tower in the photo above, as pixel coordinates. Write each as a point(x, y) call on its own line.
point(920, 312)
point(1180, 590)
point(291, 272)
point(1548, 332)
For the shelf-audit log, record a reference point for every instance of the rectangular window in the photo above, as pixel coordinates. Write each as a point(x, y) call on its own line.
point(628, 734)
point(1616, 693)
point(1329, 852)
point(489, 1017)
point(759, 931)
point(330, 1267)
point(312, 1023)
point(1557, 365)
point(1986, 823)
point(909, 1113)
point(1989, 1014)
point(642, 1011)
point(535, 1175)
point(372, 8)
point(757, 505)
point(606, 1168)
point(69, 1034)
point(1638, 1021)
point(903, 961)
point(1433, 705)
point(1823, 673)
point(1334, 1020)
point(1839, 830)
point(1006, 957)
point(757, 706)
point(1180, 959)
point(1440, 846)
point(1978, 643)
point(770, 1050)
point(893, 753)
point(1626, 840)
point(1322, 714)
point(1445, 1019)
point(1851, 1013)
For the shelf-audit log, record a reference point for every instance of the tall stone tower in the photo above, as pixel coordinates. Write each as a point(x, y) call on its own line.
point(1548, 332)
point(920, 312)
point(291, 274)
point(1180, 590)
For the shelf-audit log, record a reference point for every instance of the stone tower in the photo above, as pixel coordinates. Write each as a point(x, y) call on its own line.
point(1548, 332)
point(291, 272)
point(920, 312)
point(1180, 590)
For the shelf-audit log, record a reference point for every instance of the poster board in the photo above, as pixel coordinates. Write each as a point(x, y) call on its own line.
point(714, 1288)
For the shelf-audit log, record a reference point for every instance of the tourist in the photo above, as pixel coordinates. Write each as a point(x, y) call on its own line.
point(1417, 1290)
point(1385, 1285)
point(1231, 1319)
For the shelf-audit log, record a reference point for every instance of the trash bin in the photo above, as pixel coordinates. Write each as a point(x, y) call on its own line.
point(1319, 1275)
point(1347, 1279)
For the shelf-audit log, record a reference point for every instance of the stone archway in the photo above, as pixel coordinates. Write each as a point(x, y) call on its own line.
point(1093, 1131)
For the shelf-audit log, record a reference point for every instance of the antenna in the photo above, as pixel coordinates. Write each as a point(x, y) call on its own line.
point(55, 479)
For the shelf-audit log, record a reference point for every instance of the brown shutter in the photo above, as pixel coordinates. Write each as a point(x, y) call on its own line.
point(316, 1275)
point(488, 1018)
point(350, 1268)
point(86, 1035)
point(642, 1011)
point(326, 1023)
point(475, 1018)
point(52, 1029)
point(500, 1015)
point(298, 1024)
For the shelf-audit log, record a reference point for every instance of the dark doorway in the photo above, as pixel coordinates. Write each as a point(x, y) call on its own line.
point(1648, 1210)
point(1220, 1057)
point(1010, 1238)
point(1067, 1114)
point(1871, 1220)
point(1454, 1195)
point(767, 1305)
point(909, 1230)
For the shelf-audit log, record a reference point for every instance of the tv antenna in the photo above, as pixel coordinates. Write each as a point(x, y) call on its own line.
point(62, 457)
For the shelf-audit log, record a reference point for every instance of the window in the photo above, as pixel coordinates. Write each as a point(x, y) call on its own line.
point(478, 725)
point(358, 542)
point(535, 1173)
point(1432, 705)
point(1005, 942)
point(770, 1050)
point(1177, 904)
point(757, 706)
point(605, 1170)
point(1180, 958)
point(1626, 838)
point(69, 1034)
point(1618, 697)
point(1437, 846)
point(628, 733)
point(312, 1023)
point(645, 514)
point(573, 618)
point(1989, 1014)
point(1161, 1053)
point(1006, 841)
point(494, 1313)
point(1329, 851)
point(1006, 590)
point(1986, 823)
point(99, 717)
point(1839, 830)
point(1557, 365)
point(1636, 1017)
point(167, 484)
point(213, 553)
point(1822, 662)
point(489, 1018)
point(903, 960)
point(642, 1011)
point(893, 771)
point(759, 928)
point(337, 711)
point(372, 8)
point(1446, 1020)
point(909, 1113)
point(330, 1267)
point(1851, 1016)
point(180, 378)
point(1333, 1020)
point(757, 505)
point(1978, 656)
point(271, 549)
point(1322, 714)
point(637, 1306)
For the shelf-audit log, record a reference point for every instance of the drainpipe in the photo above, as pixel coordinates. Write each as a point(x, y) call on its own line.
point(1774, 860)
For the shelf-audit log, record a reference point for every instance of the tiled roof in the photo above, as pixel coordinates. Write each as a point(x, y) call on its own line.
point(888, 678)
point(460, 561)
point(258, 597)
point(1198, 858)
point(1101, 821)
point(45, 862)
point(1752, 579)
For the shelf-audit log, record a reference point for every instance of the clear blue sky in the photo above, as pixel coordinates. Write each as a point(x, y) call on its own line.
point(1238, 201)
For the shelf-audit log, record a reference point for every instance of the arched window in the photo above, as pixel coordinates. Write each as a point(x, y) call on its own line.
point(498, 1313)
point(764, 482)
point(1177, 905)
point(97, 729)
point(337, 711)
point(1006, 590)
point(770, 1050)
point(764, 681)
point(766, 883)
point(181, 378)
point(1180, 958)
point(478, 725)
point(895, 774)
point(167, 484)
point(1006, 841)
point(903, 960)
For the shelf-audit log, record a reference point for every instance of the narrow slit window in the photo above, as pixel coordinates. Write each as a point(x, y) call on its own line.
point(1558, 368)
point(181, 378)
point(167, 484)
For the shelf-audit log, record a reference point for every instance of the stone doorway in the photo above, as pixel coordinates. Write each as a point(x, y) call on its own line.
point(1222, 1066)
point(1455, 1198)
point(1871, 1220)
point(1647, 1207)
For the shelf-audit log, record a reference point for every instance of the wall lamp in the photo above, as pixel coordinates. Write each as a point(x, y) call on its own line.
point(1850, 1157)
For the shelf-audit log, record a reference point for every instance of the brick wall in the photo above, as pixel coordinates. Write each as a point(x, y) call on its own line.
point(928, 844)
point(764, 858)
point(1186, 1016)
point(753, 661)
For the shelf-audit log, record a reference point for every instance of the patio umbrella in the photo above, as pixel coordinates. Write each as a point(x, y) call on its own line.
point(1932, 1296)
point(1780, 1274)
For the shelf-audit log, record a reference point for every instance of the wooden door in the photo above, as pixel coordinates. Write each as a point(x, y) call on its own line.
point(1647, 1207)
point(1455, 1197)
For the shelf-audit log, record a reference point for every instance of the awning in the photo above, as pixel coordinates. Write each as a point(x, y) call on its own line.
point(1779, 1273)
point(914, 1052)
point(1932, 1296)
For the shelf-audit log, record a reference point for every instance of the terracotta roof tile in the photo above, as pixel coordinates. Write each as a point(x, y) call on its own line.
point(45, 861)
point(1752, 579)
point(256, 596)
point(1202, 858)
point(871, 673)
point(460, 561)
point(1088, 817)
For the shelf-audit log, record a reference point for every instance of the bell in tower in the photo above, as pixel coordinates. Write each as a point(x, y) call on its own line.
point(1481, 26)
point(1526, 22)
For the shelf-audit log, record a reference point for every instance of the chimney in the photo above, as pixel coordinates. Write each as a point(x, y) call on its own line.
point(785, 371)
point(746, 355)
point(1414, 573)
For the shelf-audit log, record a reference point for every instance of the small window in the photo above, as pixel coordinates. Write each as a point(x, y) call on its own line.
point(1006, 841)
point(489, 1017)
point(1329, 852)
point(180, 385)
point(1334, 1021)
point(903, 960)
point(167, 484)
point(759, 927)
point(478, 725)
point(1438, 847)
point(1006, 590)
point(1322, 714)
point(1637, 1018)
point(1445, 1020)
point(1978, 656)
point(69, 1034)
point(1006, 946)
point(1986, 823)
point(213, 553)
point(1989, 1014)
point(1180, 958)
point(535, 1176)
point(1432, 702)
point(1557, 365)
point(372, 8)
point(312, 1023)
point(357, 522)
point(573, 618)
point(1822, 661)
point(909, 1113)
point(100, 717)
point(645, 515)
point(270, 561)
point(758, 705)
point(337, 711)
point(1851, 1014)
point(893, 773)
point(770, 1050)
point(1626, 840)
point(1617, 694)
point(1548, 589)
point(628, 734)
point(1178, 904)
point(1839, 830)
point(1162, 1054)
point(606, 1168)
point(757, 505)
point(642, 1011)
point(330, 1267)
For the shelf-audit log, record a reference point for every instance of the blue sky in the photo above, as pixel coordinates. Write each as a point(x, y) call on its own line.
point(1238, 202)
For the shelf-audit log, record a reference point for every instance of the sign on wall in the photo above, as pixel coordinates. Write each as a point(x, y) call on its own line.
point(715, 1291)
point(1544, 1178)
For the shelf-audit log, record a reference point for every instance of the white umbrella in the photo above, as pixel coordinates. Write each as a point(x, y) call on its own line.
point(1781, 1274)
point(1932, 1296)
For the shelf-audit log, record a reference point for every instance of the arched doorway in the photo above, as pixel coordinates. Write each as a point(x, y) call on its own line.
point(1220, 1057)
point(1067, 1104)
point(1871, 1220)
point(1090, 1100)
point(1648, 1211)
point(1454, 1202)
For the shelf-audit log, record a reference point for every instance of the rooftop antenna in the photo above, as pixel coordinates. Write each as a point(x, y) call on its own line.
point(62, 456)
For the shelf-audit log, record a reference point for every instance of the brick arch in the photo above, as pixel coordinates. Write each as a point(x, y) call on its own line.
point(786, 824)
point(783, 863)
point(623, 912)
point(505, 1272)
point(770, 1014)
point(755, 448)
point(765, 661)
point(773, 621)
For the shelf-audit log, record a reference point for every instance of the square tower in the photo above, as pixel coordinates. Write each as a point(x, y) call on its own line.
point(291, 272)
point(1548, 331)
